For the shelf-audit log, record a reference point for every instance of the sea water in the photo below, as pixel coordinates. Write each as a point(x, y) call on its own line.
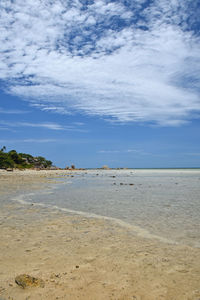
point(162, 204)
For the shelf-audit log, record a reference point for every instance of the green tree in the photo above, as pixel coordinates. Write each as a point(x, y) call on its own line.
point(15, 157)
point(42, 162)
point(3, 149)
point(12, 159)
point(5, 161)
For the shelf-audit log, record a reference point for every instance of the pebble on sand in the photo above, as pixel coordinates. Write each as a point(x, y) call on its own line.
point(25, 280)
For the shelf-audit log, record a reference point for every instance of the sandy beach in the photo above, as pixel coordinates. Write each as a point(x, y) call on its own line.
point(85, 258)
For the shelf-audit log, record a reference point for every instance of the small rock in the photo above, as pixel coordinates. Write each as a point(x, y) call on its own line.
point(25, 280)
point(89, 259)
point(68, 240)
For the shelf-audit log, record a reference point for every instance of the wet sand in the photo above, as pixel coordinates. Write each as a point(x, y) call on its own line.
point(85, 258)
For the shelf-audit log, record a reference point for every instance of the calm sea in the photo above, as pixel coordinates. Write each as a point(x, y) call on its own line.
point(159, 203)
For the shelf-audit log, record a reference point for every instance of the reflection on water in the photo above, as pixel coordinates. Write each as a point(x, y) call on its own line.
point(164, 202)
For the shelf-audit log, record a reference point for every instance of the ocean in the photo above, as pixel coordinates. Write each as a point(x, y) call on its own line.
point(163, 204)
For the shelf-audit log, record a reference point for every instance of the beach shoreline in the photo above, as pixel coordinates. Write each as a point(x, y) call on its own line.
point(85, 258)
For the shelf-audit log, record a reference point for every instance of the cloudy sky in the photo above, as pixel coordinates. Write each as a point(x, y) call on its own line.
point(95, 82)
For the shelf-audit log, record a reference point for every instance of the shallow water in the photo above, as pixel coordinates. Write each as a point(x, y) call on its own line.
point(158, 203)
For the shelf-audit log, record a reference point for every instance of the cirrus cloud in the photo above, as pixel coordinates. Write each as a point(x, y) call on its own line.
point(129, 61)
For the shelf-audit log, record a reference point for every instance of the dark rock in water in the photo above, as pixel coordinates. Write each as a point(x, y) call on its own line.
point(131, 183)
point(121, 183)
point(25, 280)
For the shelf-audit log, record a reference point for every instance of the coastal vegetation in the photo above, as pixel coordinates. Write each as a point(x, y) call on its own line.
point(12, 159)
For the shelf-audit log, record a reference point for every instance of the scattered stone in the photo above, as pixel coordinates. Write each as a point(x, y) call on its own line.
point(68, 240)
point(77, 267)
point(25, 281)
point(105, 167)
point(2, 289)
point(131, 183)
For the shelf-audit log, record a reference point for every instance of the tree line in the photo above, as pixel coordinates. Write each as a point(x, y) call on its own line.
point(12, 159)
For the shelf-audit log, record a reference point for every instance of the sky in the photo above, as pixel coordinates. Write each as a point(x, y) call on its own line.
point(102, 82)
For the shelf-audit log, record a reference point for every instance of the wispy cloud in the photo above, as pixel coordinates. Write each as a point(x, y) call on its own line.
point(51, 126)
point(12, 111)
point(3, 128)
point(39, 140)
point(51, 108)
point(109, 151)
point(42, 140)
point(131, 61)
point(126, 151)
point(28, 141)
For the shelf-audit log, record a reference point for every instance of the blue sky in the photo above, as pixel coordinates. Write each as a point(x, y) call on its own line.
point(101, 82)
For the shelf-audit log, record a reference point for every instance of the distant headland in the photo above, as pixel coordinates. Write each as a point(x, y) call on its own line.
point(14, 160)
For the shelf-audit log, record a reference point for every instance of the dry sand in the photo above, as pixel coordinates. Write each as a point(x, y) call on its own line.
point(85, 258)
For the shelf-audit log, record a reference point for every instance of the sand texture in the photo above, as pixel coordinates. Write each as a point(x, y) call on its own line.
point(86, 258)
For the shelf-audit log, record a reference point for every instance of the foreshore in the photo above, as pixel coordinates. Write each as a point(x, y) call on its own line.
point(85, 258)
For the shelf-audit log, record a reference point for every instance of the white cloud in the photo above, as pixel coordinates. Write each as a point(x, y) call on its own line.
point(12, 111)
point(6, 129)
point(39, 140)
point(28, 141)
point(52, 126)
point(65, 58)
point(51, 108)
point(47, 125)
point(130, 151)
point(109, 151)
